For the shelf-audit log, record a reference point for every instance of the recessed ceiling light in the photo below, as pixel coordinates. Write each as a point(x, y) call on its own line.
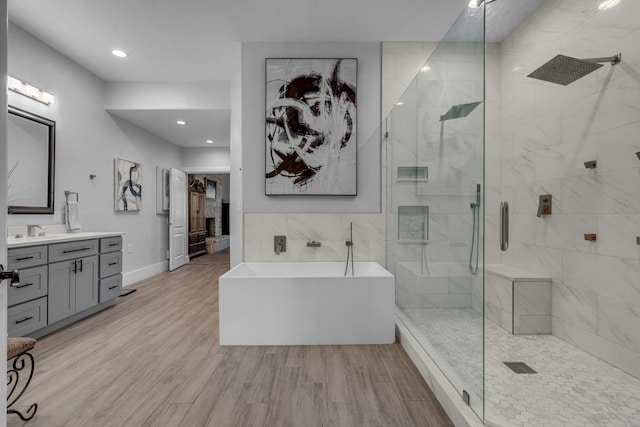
point(474, 4)
point(181, 122)
point(209, 141)
point(608, 4)
point(425, 69)
point(119, 53)
point(399, 103)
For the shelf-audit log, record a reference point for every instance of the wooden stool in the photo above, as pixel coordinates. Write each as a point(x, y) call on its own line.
point(18, 350)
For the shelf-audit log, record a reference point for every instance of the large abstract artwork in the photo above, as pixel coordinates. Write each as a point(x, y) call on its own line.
point(128, 185)
point(311, 126)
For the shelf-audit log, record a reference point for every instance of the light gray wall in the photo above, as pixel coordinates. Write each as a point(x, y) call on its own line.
point(236, 223)
point(3, 198)
point(253, 128)
point(167, 95)
point(205, 158)
point(88, 140)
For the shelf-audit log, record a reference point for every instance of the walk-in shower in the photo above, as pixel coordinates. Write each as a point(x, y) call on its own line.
point(571, 300)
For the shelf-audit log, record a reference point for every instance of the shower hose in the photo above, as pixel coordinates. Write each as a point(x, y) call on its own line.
point(475, 239)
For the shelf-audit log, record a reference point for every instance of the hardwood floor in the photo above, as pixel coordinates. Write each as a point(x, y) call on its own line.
point(154, 360)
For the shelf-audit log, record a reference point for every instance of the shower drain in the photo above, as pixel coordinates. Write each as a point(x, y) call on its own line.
point(520, 367)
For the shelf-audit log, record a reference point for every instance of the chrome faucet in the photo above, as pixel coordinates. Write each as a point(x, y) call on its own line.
point(31, 230)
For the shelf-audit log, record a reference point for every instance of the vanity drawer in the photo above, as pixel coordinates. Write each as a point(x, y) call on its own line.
point(110, 244)
point(28, 317)
point(33, 284)
point(110, 288)
point(27, 257)
point(110, 264)
point(71, 250)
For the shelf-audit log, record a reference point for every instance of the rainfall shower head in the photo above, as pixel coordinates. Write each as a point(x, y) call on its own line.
point(458, 111)
point(564, 70)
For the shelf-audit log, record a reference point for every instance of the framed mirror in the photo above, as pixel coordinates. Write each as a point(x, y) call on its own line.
point(31, 162)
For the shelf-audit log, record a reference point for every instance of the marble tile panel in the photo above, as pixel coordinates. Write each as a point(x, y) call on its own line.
point(566, 160)
point(580, 307)
point(518, 170)
point(537, 259)
point(459, 284)
point(532, 298)
point(615, 320)
point(264, 226)
point(531, 324)
point(316, 227)
point(611, 192)
point(591, 272)
point(499, 292)
point(526, 197)
point(567, 232)
point(522, 228)
point(616, 147)
point(543, 131)
point(617, 355)
point(617, 235)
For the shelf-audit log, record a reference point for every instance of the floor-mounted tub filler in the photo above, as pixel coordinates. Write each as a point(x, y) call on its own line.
point(306, 303)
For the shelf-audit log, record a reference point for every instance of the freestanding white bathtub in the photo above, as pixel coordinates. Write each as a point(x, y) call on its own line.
point(306, 303)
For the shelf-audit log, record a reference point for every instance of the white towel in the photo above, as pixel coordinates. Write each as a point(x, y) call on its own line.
point(72, 215)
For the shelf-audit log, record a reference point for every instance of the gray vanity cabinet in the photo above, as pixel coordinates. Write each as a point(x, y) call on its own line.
point(73, 287)
point(61, 283)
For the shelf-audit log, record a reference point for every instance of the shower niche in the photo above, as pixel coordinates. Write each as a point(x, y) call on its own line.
point(413, 224)
point(413, 174)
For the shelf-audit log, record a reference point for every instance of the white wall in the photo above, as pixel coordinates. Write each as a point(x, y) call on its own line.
point(304, 218)
point(548, 132)
point(87, 141)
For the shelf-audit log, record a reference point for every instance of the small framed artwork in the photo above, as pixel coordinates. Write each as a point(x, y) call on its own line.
point(210, 187)
point(311, 145)
point(128, 186)
point(162, 190)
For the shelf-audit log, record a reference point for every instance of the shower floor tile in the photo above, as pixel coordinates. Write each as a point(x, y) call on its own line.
point(570, 388)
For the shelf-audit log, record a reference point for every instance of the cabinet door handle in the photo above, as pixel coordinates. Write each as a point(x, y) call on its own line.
point(76, 250)
point(113, 287)
point(113, 244)
point(75, 266)
point(113, 263)
point(24, 320)
point(24, 258)
point(22, 285)
point(80, 266)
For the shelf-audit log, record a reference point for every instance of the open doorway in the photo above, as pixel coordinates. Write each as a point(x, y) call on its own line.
point(208, 213)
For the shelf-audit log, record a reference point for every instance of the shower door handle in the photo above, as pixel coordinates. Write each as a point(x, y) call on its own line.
point(504, 226)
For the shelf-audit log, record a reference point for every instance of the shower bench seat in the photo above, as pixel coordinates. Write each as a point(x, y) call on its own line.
point(517, 300)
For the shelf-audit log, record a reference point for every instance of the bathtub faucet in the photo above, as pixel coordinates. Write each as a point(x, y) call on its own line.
point(349, 244)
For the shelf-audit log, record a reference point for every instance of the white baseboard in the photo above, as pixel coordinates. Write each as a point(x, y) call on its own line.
point(460, 414)
point(134, 276)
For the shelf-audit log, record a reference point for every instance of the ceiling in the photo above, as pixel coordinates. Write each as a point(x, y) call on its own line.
point(199, 40)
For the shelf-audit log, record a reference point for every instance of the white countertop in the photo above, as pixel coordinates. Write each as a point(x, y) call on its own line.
point(13, 242)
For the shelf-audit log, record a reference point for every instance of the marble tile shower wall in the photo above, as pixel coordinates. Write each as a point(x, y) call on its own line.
point(548, 132)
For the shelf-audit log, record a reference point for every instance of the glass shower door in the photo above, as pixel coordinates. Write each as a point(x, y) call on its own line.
point(435, 187)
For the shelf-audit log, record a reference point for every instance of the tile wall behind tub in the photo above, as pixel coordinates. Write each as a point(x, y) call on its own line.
point(548, 132)
point(331, 230)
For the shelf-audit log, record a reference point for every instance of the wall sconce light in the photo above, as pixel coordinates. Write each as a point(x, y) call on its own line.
point(30, 91)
